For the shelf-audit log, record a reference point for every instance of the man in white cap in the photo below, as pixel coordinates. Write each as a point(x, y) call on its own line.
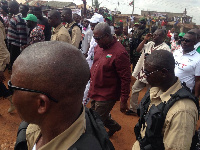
point(86, 36)
point(96, 18)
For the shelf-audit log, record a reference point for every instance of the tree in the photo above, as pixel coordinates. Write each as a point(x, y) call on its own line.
point(96, 3)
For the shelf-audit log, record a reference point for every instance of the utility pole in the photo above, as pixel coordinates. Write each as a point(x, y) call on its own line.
point(92, 3)
point(84, 9)
point(133, 7)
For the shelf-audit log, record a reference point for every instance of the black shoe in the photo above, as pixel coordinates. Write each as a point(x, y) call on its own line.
point(130, 112)
point(111, 132)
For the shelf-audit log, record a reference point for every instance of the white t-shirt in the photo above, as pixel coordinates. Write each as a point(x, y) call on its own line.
point(138, 72)
point(87, 36)
point(196, 46)
point(187, 66)
point(90, 57)
point(112, 30)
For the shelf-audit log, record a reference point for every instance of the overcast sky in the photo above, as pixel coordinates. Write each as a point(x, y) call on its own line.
point(176, 6)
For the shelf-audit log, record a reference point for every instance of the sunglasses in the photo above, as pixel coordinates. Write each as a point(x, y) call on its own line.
point(149, 73)
point(12, 88)
point(186, 40)
point(98, 38)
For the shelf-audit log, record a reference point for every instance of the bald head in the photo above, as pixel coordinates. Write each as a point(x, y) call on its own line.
point(54, 67)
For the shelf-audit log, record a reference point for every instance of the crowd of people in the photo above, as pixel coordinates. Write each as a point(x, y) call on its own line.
point(62, 61)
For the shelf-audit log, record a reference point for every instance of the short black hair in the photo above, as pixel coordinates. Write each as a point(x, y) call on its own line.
point(25, 7)
point(37, 9)
point(68, 10)
point(161, 59)
point(193, 34)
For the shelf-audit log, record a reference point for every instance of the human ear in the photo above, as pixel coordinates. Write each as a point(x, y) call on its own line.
point(43, 103)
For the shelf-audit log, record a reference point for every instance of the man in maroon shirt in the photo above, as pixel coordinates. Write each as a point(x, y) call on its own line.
point(110, 76)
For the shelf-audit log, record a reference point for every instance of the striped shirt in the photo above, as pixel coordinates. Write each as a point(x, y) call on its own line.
point(17, 31)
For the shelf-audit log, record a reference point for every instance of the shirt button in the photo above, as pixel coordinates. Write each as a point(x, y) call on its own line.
point(96, 65)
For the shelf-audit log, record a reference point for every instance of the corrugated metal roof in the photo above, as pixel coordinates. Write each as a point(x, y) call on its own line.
point(56, 4)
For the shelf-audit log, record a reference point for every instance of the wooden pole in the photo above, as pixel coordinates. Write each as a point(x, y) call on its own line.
point(84, 9)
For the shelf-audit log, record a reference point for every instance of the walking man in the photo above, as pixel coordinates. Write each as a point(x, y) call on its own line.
point(110, 76)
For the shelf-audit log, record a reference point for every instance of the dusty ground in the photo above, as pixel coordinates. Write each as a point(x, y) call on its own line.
point(122, 140)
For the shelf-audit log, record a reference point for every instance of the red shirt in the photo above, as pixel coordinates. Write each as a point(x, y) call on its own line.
point(110, 73)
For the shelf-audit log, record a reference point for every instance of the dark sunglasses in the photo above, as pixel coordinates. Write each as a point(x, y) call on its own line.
point(12, 88)
point(98, 38)
point(186, 40)
point(149, 73)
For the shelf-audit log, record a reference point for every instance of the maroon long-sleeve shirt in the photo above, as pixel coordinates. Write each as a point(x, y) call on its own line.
point(110, 74)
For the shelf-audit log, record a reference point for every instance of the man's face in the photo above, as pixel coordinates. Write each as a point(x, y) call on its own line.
point(188, 42)
point(152, 75)
point(118, 30)
point(29, 23)
point(51, 20)
point(11, 9)
point(86, 23)
point(65, 17)
point(142, 25)
point(92, 25)
point(157, 36)
point(22, 9)
point(23, 101)
point(108, 21)
point(176, 36)
point(38, 14)
point(77, 19)
point(100, 38)
point(125, 30)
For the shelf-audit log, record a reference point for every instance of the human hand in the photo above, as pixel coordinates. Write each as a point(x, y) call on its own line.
point(123, 107)
point(2, 77)
point(148, 36)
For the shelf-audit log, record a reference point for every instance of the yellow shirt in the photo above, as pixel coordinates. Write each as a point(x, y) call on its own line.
point(4, 53)
point(60, 33)
point(76, 34)
point(63, 141)
point(180, 123)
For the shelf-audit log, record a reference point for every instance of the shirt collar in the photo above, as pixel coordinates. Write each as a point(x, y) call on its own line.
point(55, 30)
point(69, 25)
point(111, 44)
point(190, 53)
point(66, 138)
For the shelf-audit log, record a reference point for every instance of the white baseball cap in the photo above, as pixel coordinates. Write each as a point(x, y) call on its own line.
point(96, 18)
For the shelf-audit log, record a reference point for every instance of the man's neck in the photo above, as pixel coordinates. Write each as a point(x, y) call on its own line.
point(70, 21)
point(51, 129)
point(24, 15)
point(185, 51)
point(168, 84)
point(57, 25)
point(158, 43)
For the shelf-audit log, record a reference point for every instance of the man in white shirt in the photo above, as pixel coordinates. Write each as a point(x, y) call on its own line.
point(86, 36)
point(96, 18)
point(197, 45)
point(188, 63)
point(157, 44)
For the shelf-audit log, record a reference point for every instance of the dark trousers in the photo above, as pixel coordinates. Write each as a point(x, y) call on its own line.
point(103, 108)
point(14, 53)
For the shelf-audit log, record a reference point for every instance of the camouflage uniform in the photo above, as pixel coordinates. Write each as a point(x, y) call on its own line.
point(124, 40)
point(137, 38)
